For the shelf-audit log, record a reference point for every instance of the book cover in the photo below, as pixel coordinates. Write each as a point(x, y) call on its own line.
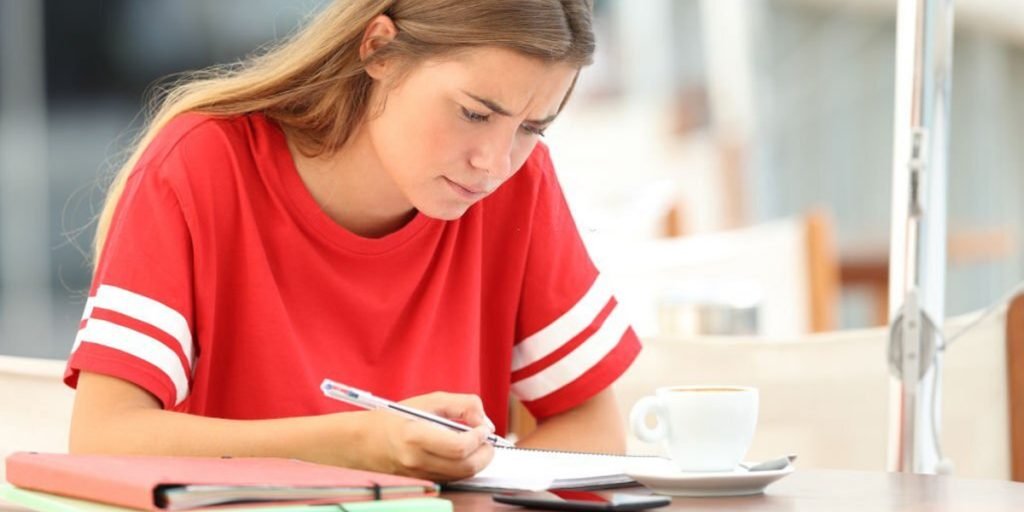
point(167, 483)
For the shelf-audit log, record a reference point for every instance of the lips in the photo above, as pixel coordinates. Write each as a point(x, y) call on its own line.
point(469, 190)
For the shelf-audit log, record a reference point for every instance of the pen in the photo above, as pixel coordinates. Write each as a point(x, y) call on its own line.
point(367, 400)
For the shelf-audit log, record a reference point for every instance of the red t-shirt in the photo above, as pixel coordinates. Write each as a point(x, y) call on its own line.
point(225, 291)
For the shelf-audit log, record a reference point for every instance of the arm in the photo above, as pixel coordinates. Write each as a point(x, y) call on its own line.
point(114, 416)
point(594, 425)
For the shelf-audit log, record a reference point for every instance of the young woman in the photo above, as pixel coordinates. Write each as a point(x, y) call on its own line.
point(366, 202)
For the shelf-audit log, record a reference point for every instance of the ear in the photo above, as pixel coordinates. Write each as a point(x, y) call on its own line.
point(379, 32)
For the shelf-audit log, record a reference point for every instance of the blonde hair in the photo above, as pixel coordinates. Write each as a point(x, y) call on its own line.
point(314, 83)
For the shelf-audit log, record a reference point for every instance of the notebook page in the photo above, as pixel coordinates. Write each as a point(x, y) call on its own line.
point(534, 470)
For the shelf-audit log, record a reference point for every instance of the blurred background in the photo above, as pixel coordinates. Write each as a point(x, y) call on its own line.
point(729, 162)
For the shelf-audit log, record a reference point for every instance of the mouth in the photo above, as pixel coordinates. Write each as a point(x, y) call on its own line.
point(469, 192)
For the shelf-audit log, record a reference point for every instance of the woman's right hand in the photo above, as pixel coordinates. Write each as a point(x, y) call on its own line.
point(114, 416)
point(411, 447)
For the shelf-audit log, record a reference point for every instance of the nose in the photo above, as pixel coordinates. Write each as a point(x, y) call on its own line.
point(493, 154)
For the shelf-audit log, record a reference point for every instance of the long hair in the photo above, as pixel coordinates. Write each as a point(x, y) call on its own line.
point(314, 83)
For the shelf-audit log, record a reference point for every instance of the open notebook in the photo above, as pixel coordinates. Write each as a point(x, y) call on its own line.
point(537, 470)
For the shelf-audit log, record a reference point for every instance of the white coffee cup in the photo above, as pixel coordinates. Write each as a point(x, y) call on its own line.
point(704, 428)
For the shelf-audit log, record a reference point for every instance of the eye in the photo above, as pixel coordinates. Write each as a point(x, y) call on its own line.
point(532, 130)
point(474, 117)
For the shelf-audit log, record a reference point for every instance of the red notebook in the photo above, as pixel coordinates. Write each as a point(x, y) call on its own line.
point(175, 483)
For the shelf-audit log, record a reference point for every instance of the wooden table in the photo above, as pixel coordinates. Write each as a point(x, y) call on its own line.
point(824, 491)
point(835, 490)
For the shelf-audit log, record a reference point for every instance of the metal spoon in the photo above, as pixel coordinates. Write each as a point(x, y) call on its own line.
point(771, 464)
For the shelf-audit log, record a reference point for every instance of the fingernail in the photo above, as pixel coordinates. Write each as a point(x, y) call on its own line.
point(490, 424)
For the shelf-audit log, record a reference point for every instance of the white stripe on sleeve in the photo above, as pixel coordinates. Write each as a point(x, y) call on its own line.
point(147, 310)
point(575, 363)
point(129, 341)
point(565, 328)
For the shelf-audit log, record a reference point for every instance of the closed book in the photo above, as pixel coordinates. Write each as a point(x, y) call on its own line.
point(46, 502)
point(177, 483)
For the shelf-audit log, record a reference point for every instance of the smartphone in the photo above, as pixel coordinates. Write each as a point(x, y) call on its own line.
point(582, 500)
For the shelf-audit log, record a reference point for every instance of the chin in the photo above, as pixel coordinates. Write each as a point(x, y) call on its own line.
point(445, 212)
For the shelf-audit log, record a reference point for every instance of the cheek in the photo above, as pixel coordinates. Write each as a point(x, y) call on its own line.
point(441, 138)
point(434, 138)
point(413, 147)
point(522, 151)
point(449, 142)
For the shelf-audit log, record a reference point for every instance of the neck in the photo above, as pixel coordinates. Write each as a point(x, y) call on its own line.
point(352, 188)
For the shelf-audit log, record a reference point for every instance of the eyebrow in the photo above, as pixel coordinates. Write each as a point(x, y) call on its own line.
point(498, 109)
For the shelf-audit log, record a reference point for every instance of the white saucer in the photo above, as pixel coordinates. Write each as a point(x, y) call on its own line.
point(664, 478)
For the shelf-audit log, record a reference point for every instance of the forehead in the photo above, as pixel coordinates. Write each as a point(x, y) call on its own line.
point(514, 80)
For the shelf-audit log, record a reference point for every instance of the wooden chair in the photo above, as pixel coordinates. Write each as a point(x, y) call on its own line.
point(867, 266)
point(790, 262)
point(825, 396)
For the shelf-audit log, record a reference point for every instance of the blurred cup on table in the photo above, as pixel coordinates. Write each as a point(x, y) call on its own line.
point(709, 308)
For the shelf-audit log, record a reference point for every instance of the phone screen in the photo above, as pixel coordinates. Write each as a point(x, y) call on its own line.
point(582, 500)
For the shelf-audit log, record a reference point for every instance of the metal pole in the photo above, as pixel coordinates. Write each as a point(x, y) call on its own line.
point(917, 268)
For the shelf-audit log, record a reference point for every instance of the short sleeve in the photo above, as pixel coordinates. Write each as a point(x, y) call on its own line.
point(137, 323)
point(573, 339)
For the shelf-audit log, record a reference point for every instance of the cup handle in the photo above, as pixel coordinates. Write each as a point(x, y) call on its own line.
point(638, 417)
